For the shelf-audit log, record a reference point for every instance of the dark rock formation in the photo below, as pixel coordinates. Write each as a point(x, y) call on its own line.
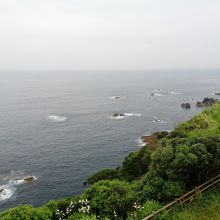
point(186, 105)
point(206, 102)
point(217, 93)
point(29, 179)
point(118, 114)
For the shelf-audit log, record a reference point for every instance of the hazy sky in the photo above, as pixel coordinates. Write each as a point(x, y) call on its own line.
point(109, 34)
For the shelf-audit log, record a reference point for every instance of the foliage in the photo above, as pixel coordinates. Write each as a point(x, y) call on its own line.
point(106, 174)
point(144, 210)
point(26, 212)
point(156, 188)
point(136, 164)
point(183, 162)
point(204, 208)
point(110, 198)
point(84, 217)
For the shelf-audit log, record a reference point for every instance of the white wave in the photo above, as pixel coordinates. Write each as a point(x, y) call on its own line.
point(117, 97)
point(175, 93)
point(56, 118)
point(155, 94)
point(132, 114)
point(117, 117)
point(8, 190)
point(140, 142)
point(158, 121)
point(124, 116)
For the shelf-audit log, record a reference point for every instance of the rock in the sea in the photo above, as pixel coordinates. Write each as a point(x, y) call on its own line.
point(29, 179)
point(1, 190)
point(206, 102)
point(217, 93)
point(118, 115)
point(199, 104)
point(186, 105)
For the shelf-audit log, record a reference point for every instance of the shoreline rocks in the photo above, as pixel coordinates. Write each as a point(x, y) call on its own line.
point(152, 139)
point(206, 102)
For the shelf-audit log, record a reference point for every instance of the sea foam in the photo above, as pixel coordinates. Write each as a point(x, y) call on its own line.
point(9, 189)
point(125, 115)
point(175, 93)
point(117, 97)
point(56, 118)
point(132, 114)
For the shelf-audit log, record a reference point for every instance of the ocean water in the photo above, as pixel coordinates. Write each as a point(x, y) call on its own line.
point(58, 126)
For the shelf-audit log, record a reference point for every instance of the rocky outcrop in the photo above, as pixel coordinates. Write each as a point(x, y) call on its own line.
point(206, 102)
point(186, 105)
point(29, 179)
point(152, 140)
point(118, 115)
point(217, 93)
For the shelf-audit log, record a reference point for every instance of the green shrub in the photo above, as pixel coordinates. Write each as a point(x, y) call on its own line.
point(109, 198)
point(26, 212)
point(182, 163)
point(141, 211)
point(136, 164)
point(156, 188)
point(106, 174)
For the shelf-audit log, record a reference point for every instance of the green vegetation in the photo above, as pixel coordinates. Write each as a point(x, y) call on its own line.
point(147, 179)
point(206, 207)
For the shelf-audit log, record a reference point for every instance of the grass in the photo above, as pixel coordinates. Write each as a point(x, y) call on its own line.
point(206, 207)
point(205, 124)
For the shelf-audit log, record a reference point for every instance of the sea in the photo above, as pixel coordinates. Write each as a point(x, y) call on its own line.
point(58, 126)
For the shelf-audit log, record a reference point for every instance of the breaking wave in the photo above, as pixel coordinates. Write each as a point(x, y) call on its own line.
point(56, 118)
point(117, 97)
point(117, 117)
point(9, 189)
point(124, 116)
point(175, 93)
point(158, 120)
point(155, 94)
point(132, 114)
point(140, 142)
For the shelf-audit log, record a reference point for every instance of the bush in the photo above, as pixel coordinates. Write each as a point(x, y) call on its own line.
point(106, 174)
point(136, 164)
point(156, 188)
point(26, 212)
point(183, 162)
point(110, 198)
point(141, 211)
point(84, 217)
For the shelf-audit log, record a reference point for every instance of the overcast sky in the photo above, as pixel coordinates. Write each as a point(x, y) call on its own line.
point(109, 34)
